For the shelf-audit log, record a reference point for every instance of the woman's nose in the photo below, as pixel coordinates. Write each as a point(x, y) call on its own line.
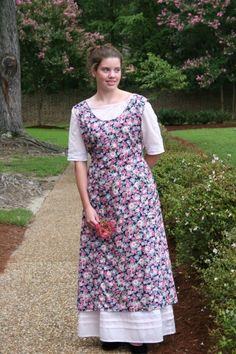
point(111, 73)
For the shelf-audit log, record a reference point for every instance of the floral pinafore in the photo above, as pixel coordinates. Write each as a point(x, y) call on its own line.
point(132, 270)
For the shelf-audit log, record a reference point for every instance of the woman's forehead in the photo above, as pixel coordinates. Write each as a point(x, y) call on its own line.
point(110, 62)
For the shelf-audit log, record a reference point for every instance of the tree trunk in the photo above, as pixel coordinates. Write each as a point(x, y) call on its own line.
point(222, 98)
point(10, 88)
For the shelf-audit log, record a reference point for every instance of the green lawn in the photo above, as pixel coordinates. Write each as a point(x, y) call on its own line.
point(218, 141)
point(40, 166)
point(19, 216)
point(54, 136)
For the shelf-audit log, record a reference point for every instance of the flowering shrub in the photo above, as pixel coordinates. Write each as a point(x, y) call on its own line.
point(199, 202)
point(213, 19)
point(199, 206)
point(219, 285)
point(52, 43)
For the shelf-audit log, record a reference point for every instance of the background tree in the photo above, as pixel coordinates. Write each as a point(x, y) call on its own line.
point(10, 89)
point(129, 25)
point(204, 40)
point(53, 46)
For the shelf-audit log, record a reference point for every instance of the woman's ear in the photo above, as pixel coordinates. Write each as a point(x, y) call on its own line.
point(93, 73)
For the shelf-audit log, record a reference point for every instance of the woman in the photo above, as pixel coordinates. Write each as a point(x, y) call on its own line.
point(126, 288)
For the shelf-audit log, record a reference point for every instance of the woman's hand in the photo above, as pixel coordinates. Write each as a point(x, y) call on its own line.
point(151, 160)
point(91, 216)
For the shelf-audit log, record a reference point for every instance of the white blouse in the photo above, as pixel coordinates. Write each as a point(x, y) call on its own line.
point(151, 134)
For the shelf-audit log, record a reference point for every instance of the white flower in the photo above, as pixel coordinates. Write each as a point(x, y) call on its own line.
point(215, 250)
point(215, 279)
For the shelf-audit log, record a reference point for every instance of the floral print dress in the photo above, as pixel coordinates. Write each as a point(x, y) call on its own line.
point(131, 272)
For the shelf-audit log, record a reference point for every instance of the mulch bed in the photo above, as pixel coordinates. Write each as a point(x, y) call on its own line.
point(11, 237)
point(193, 318)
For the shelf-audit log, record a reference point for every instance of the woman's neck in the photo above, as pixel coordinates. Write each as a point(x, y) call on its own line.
point(102, 97)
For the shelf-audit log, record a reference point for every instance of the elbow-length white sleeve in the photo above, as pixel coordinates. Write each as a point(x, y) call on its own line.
point(152, 138)
point(76, 147)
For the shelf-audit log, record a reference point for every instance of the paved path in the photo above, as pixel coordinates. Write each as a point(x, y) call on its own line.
point(38, 288)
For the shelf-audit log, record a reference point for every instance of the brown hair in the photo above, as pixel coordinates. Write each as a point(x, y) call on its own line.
point(98, 53)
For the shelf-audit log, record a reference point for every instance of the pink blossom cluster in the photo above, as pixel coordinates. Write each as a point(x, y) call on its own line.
point(67, 68)
point(176, 14)
point(30, 22)
point(207, 69)
point(195, 63)
point(22, 2)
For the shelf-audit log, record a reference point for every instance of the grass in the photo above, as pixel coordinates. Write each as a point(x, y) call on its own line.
point(38, 166)
point(20, 217)
point(217, 141)
point(54, 136)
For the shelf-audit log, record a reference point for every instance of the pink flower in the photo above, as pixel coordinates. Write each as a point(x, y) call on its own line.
point(105, 228)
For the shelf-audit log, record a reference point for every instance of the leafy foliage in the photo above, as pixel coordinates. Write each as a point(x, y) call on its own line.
point(199, 204)
point(198, 200)
point(157, 73)
point(219, 285)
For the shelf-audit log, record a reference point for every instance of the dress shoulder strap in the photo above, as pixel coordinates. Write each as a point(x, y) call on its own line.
point(140, 102)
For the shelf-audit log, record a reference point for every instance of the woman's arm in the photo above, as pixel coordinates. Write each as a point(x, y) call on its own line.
point(151, 159)
point(91, 215)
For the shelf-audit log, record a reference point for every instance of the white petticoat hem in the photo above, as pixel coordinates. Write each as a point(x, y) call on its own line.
point(139, 327)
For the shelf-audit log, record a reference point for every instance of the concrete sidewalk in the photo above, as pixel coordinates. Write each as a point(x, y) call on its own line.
point(38, 288)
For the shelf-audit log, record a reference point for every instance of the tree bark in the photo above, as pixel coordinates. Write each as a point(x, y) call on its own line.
point(10, 87)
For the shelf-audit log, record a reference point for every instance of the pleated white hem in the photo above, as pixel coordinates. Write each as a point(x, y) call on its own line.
point(138, 327)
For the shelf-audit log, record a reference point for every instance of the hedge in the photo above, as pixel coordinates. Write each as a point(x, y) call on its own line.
point(174, 117)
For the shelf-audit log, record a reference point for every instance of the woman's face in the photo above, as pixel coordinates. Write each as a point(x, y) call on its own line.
point(108, 74)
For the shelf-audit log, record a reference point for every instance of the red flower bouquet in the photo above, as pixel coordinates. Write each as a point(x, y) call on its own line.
point(105, 229)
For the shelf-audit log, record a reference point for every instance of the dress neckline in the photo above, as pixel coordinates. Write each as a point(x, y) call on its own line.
point(132, 96)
